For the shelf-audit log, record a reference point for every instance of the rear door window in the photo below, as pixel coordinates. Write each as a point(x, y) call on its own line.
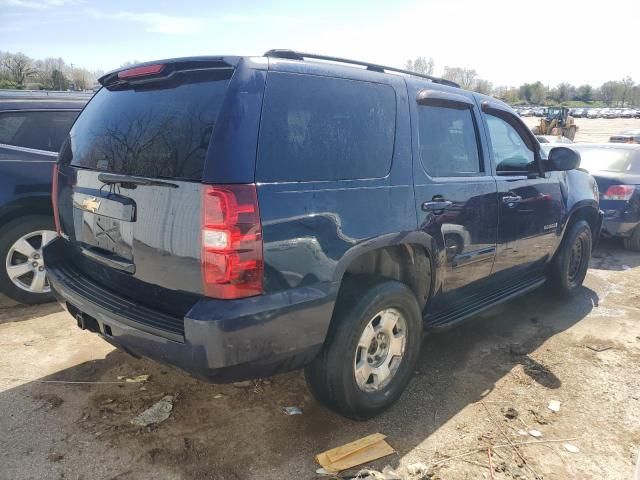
point(159, 130)
point(41, 130)
point(320, 128)
point(448, 142)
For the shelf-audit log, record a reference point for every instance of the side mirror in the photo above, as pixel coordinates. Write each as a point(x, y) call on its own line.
point(561, 159)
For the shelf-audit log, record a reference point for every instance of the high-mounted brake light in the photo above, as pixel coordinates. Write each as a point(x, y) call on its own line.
point(54, 198)
point(232, 262)
point(619, 192)
point(143, 71)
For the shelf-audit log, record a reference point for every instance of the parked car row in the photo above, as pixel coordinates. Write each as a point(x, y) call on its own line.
point(583, 112)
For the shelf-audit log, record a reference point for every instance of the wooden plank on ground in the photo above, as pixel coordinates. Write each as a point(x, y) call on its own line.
point(355, 453)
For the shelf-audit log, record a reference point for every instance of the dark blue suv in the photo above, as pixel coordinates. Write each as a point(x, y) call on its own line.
point(241, 216)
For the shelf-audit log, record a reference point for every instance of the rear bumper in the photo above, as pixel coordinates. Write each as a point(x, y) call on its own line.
point(223, 340)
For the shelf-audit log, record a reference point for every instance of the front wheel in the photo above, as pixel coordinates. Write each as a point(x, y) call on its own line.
point(570, 266)
point(371, 349)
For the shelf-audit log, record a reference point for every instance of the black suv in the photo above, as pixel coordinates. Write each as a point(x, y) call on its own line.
point(33, 126)
point(241, 216)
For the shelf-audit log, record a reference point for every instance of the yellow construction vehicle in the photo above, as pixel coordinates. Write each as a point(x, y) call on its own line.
point(557, 121)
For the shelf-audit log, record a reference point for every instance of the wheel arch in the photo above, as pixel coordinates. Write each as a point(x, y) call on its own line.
point(409, 258)
point(585, 210)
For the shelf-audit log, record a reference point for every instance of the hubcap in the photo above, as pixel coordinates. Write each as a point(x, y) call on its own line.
point(25, 263)
point(575, 259)
point(380, 350)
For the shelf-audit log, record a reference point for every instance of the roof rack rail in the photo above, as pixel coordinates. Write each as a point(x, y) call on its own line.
point(293, 55)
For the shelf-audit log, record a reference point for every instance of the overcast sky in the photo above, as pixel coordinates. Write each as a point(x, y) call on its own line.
point(506, 41)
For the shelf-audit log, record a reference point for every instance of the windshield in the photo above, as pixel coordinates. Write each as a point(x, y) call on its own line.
point(605, 159)
point(155, 131)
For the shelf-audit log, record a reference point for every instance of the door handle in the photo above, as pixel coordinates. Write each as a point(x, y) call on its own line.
point(436, 206)
point(511, 199)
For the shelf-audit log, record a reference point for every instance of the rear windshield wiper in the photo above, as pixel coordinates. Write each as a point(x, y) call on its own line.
point(127, 181)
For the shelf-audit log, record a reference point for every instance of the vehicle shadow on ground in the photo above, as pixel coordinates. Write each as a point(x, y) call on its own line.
point(221, 431)
point(610, 255)
point(19, 313)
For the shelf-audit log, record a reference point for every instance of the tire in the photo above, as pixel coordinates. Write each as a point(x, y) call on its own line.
point(570, 265)
point(371, 305)
point(632, 242)
point(31, 287)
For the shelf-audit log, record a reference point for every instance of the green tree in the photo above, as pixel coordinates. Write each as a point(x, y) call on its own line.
point(538, 93)
point(58, 80)
point(525, 92)
point(585, 93)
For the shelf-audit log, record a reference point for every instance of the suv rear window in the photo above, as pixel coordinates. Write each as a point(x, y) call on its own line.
point(321, 128)
point(159, 130)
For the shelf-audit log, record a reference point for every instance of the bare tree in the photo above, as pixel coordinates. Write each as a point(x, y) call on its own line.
point(483, 86)
point(420, 65)
point(128, 63)
point(465, 77)
point(19, 67)
point(609, 92)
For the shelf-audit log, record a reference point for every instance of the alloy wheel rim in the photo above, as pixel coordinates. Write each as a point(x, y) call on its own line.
point(380, 350)
point(25, 263)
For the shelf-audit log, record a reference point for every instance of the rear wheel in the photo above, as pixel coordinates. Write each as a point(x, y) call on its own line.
point(633, 242)
point(572, 261)
point(23, 277)
point(371, 349)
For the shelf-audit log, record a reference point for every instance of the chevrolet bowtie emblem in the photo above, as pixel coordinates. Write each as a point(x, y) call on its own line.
point(91, 204)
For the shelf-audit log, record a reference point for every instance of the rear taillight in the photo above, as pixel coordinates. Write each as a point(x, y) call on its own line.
point(54, 197)
point(619, 192)
point(232, 263)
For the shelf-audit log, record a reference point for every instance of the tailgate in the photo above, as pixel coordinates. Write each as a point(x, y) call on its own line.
point(130, 187)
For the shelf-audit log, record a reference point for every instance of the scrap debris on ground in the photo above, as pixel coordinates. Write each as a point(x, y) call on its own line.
point(155, 414)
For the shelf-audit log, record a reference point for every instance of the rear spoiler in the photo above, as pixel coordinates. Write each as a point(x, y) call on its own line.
point(164, 69)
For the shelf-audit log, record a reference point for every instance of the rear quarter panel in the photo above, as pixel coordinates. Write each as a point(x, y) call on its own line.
point(312, 230)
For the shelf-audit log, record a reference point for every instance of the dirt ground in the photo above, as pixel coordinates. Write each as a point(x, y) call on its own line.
point(484, 384)
point(584, 353)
